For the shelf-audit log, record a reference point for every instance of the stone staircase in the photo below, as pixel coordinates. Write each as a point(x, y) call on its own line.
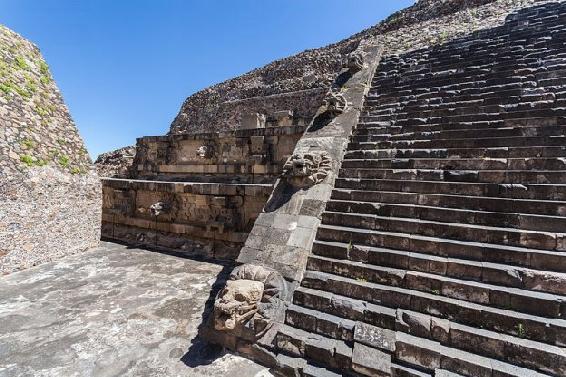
point(443, 249)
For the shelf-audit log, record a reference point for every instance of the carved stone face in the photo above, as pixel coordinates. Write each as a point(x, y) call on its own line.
point(204, 151)
point(355, 62)
point(159, 208)
point(334, 104)
point(237, 303)
point(301, 167)
point(305, 170)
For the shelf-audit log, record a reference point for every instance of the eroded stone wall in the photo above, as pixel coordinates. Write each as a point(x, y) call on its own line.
point(49, 192)
point(197, 194)
point(210, 220)
point(243, 156)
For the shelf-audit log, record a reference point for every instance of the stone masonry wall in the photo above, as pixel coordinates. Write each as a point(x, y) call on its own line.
point(49, 192)
point(304, 78)
point(197, 194)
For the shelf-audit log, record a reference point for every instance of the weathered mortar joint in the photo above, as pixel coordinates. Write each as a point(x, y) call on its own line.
point(251, 302)
point(307, 169)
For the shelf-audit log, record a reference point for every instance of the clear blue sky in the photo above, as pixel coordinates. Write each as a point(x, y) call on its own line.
point(125, 66)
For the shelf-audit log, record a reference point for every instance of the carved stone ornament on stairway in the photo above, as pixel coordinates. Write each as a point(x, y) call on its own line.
point(308, 169)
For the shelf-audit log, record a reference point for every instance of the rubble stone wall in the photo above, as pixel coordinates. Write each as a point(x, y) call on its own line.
point(50, 195)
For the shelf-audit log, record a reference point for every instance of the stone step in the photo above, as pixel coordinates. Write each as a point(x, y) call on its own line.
point(449, 230)
point(380, 334)
point(529, 79)
point(464, 134)
point(479, 142)
point(441, 102)
point(426, 108)
point(494, 190)
point(376, 97)
point(459, 90)
point(352, 310)
point(471, 176)
point(317, 349)
point(548, 111)
point(297, 366)
point(486, 272)
point(476, 66)
point(378, 305)
point(547, 210)
point(487, 71)
point(432, 355)
point(534, 163)
point(475, 251)
point(296, 346)
point(402, 114)
point(525, 301)
point(526, 353)
point(531, 131)
point(372, 128)
point(481, 62)
point(392, 208)
point(503, 152)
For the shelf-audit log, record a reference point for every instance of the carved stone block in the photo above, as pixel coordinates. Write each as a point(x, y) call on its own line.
point(308, 169)
point(253, 120)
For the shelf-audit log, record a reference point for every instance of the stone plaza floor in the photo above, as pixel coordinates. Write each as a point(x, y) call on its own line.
point(112, 311)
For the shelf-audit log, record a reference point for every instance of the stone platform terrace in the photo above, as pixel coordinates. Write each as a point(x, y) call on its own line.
point(112, 311)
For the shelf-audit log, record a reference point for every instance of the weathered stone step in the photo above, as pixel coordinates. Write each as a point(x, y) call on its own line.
point(543, 131)
point(450, 230)
point(441, 103)
point(479, 142)
point(356, 360)
point(487, 69)
point(459, 89)
point(477, 63)
point(298, 366)
point(526, 301)
point(331, 353)
point(532, 163)
point(507, 219)
point(486, 272)
point(401, 114)
point(514, 73)
point(472, 176)
point(402, 320)
point(451, 197)
point(354, 310)
point(526, 353)
point(476, 251)
point(368, 128)
point(431, 355)
point(551, 111)
point(556, 192)
point(349, 298)
point(501, 152)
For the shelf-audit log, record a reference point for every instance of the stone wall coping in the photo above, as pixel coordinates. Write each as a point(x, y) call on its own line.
point(188, 187)
point(267, 131)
